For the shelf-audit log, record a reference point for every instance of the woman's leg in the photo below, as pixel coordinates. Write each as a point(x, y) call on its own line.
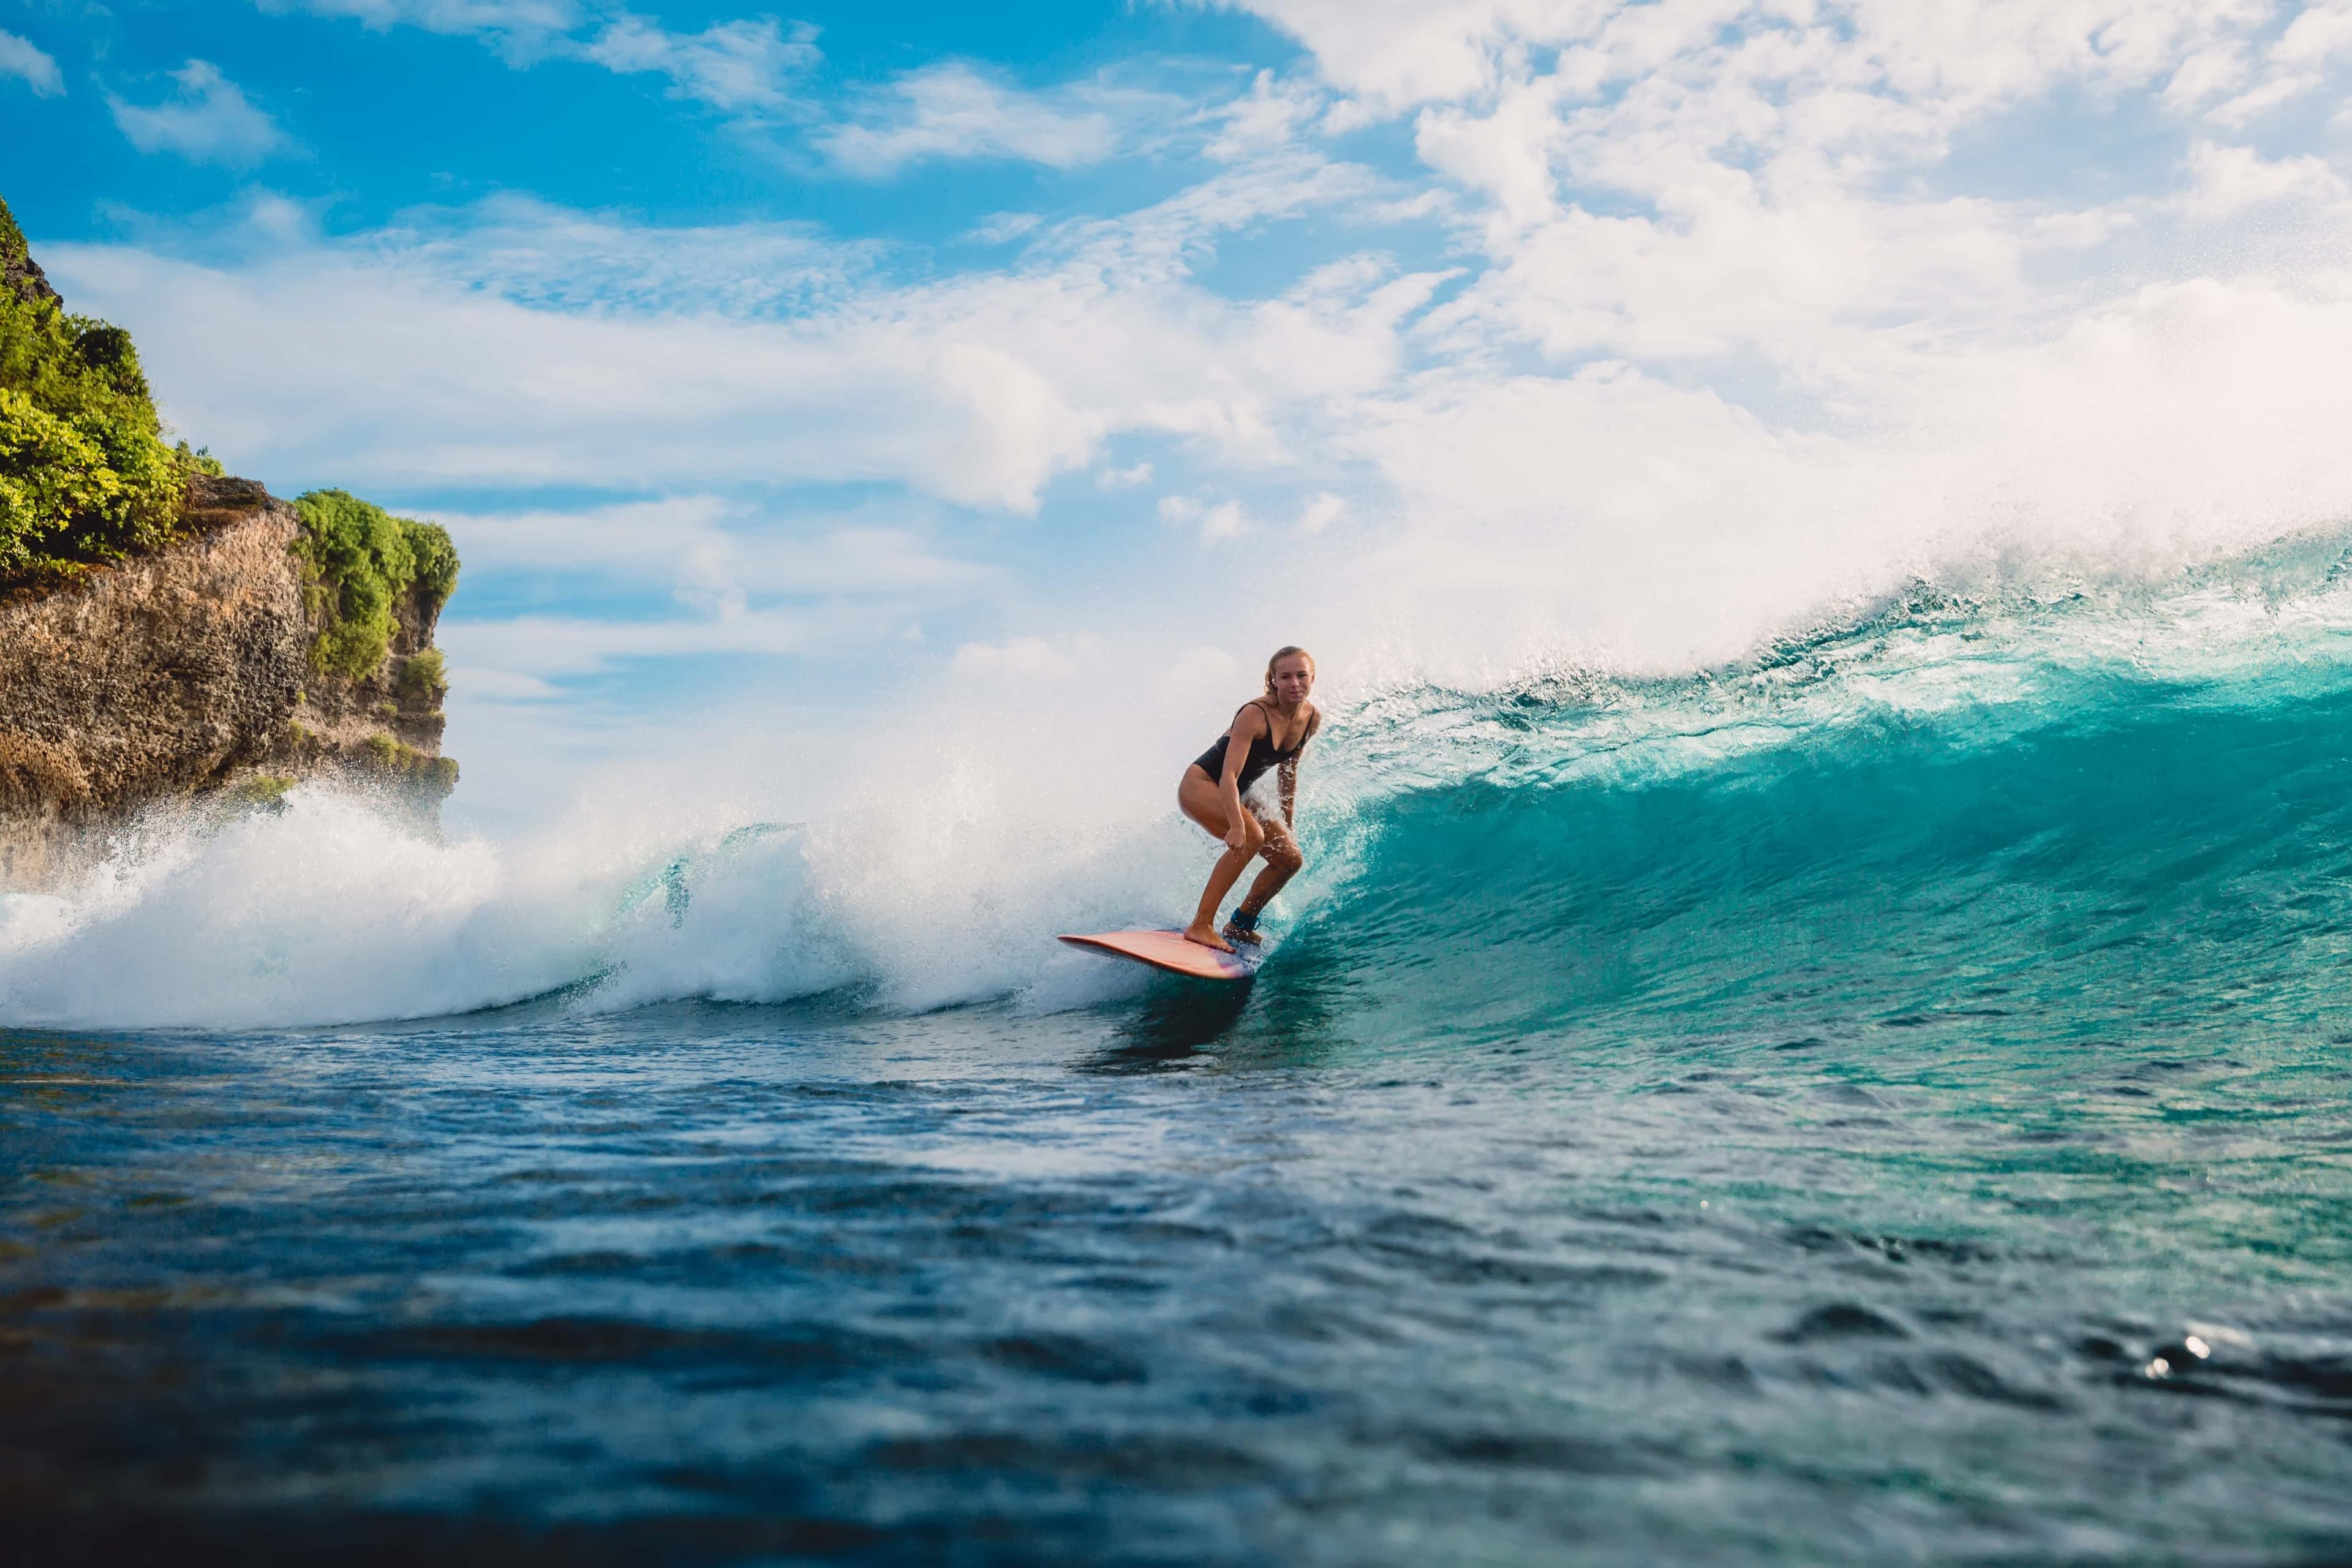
point(1203, 802)
point(1282, 863)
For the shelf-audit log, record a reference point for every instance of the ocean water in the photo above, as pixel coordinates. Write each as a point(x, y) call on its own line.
point(1889, 1100)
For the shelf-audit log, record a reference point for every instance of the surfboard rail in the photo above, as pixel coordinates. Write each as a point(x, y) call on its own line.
point(1169, 952)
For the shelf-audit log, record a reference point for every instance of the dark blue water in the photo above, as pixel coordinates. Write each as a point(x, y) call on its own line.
point(1727, 1122)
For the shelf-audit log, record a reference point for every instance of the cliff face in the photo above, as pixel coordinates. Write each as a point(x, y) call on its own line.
point(19, 273)
point(187, 673)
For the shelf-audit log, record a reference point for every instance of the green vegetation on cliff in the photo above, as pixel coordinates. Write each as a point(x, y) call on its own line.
point(425, 675)
point(395, 761)
point(85, 475)
point(362, 561)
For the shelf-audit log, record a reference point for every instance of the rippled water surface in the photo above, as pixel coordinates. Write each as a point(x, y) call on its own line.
point(1196, 1278)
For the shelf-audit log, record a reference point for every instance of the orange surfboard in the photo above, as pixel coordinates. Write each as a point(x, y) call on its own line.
point(1168, 950)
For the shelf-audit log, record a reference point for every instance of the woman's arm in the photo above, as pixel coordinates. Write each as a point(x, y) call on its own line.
point(1246, 724)
point(1290, 774)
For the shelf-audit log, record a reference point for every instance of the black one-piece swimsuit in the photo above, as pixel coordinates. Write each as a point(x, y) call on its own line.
point(1262, 755)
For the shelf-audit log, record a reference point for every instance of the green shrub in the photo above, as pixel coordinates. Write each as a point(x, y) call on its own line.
point(437, 563)
point(85, 476)
point(265, 790)
point(424, 674)
point(394, 760)
point(361, 560)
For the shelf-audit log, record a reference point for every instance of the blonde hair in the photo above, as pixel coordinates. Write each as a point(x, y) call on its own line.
point(1279, 655)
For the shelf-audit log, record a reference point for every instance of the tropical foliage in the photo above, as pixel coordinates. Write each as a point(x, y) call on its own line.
point(85, 473)
point(362, 562)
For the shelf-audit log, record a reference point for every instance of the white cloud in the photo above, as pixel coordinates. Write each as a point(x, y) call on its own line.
point(740, 579)
point(952, 110)
point(2296, 63)
point(207, 120)
point(2206, 74)
point(547, 257)
point(733, 66)
point(1271, 114)
point(481, 370)
point(443, 16)
point(738, 66)
point(1026, 660)
point(29, 64)
point(1969, 54)
point(716, 553)
point(2229, 180)
point(1002, 229)
point(511, 20)
point(1210, 524)
point(2319, 34)
point(1505, 152)
point(1227, 520)
point(1410, 51)
point(514, 653)
point(1725, 331)
point(1612, 511)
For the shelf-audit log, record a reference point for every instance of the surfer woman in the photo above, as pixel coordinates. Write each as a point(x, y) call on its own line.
point(1268, 732)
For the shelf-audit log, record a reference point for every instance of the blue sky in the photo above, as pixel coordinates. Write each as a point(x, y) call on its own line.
point(841, 365)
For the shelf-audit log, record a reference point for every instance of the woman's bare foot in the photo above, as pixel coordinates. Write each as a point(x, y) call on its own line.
point(1200, 933)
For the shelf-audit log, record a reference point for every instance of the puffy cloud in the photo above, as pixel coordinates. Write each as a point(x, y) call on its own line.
point(207, 120)
point(1402, 52)
point(21, 60)
point(2229, 180)
point(1732, 317)
point(657, 364)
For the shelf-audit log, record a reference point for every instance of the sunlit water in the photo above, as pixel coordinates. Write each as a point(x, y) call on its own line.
point(1889, 1103)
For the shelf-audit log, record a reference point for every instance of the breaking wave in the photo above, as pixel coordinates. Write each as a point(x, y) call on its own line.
point(2052, 802)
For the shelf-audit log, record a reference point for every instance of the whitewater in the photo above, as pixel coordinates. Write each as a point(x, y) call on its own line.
point(1881, 1098)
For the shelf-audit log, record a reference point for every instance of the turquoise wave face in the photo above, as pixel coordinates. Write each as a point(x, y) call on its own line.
point(2012, 822)
point(2132, 848)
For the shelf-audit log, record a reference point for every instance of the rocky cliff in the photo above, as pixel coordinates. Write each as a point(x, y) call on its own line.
point(189, 674)
point(167, 634)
